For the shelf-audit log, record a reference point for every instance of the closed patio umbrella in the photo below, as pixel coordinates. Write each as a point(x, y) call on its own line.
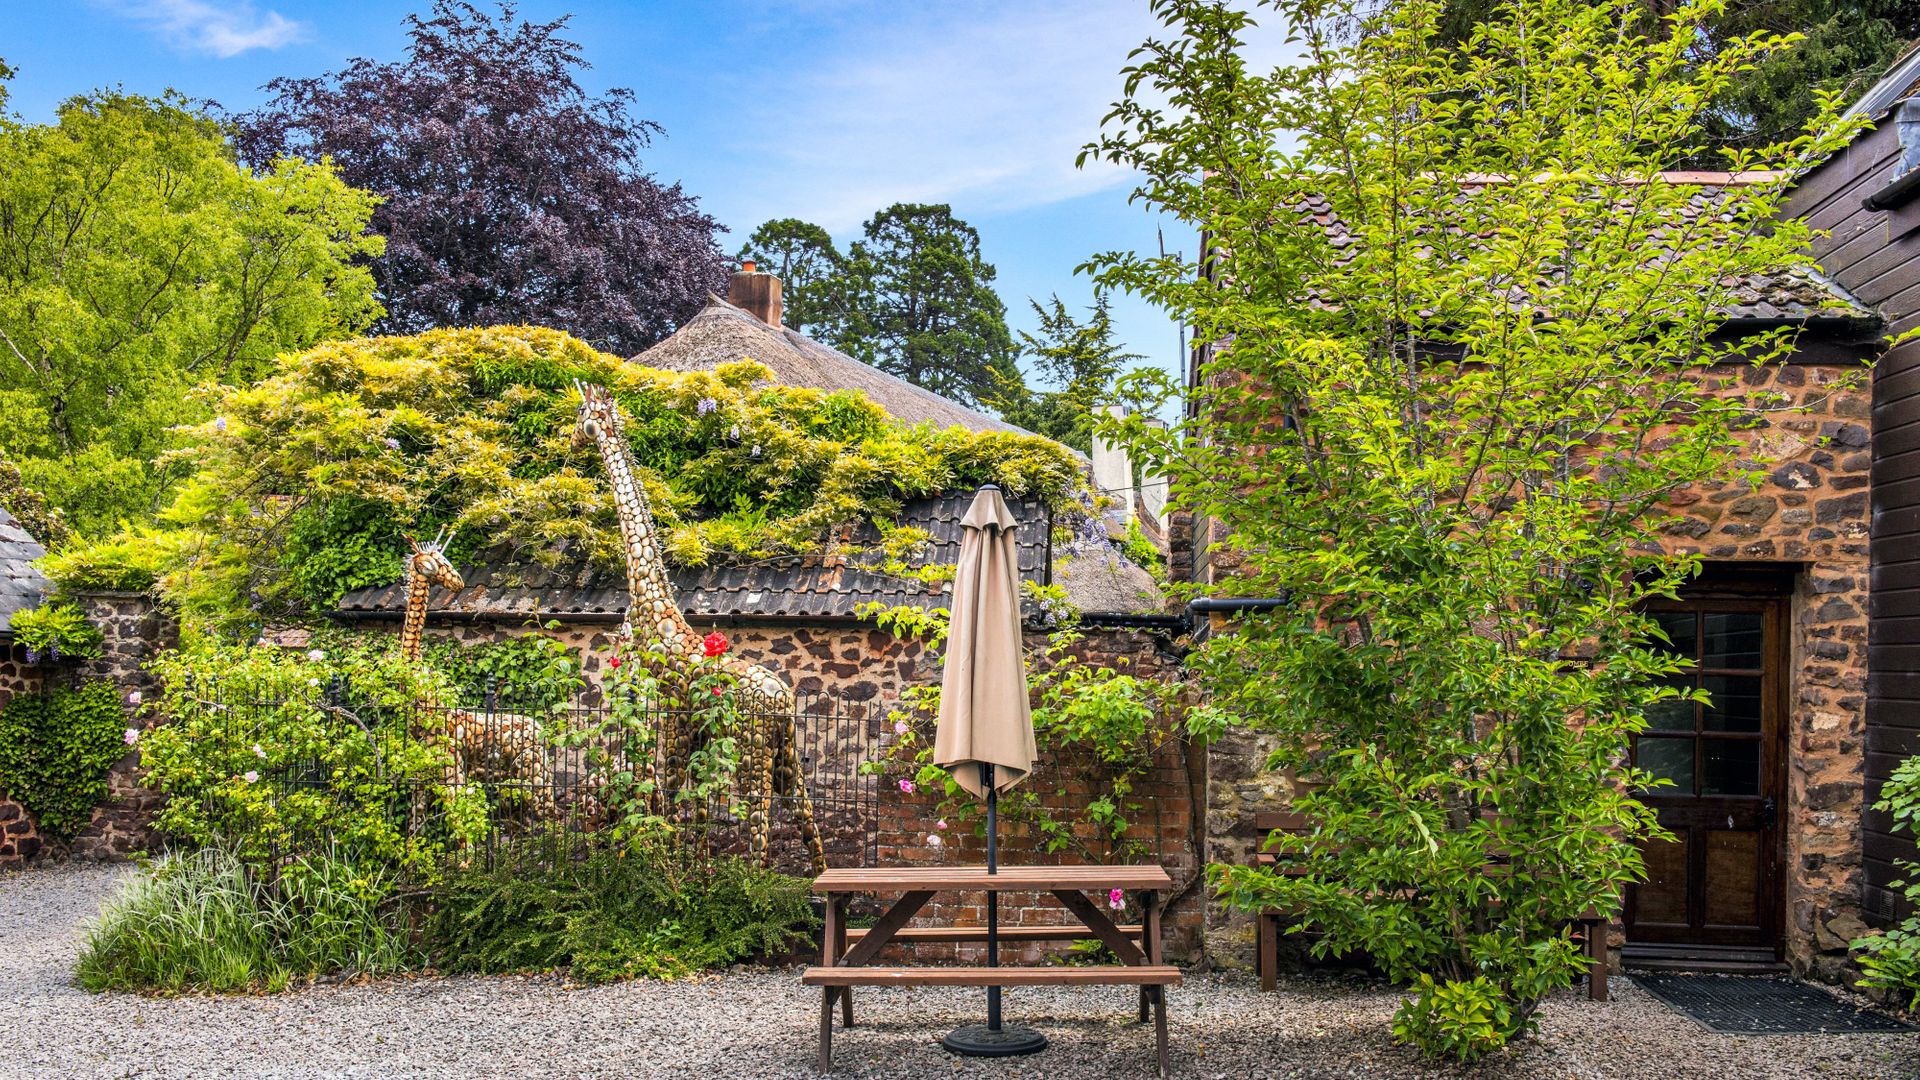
point(985, 734)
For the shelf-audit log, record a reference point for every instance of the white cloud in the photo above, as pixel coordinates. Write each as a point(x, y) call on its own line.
point(224, 29)
point(982, 104)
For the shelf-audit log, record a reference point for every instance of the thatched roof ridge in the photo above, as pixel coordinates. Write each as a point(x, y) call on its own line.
point(722, 333)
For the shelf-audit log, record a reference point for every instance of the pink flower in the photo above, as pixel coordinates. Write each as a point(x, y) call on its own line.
point(1116, 899)
point(133, 698)
point(132, 736)
point(933, 839)
point(899, 727)
point(941, 824)
point(906, 786)
point(250, 776)
point(257, 752)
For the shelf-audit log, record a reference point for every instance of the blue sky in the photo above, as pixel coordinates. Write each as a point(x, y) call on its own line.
point(826, 110)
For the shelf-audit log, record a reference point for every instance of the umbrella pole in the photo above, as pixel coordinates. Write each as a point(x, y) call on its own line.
point(993, 1040)
point(993, 898)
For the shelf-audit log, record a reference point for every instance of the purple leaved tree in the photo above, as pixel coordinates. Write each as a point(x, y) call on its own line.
point(511, 195)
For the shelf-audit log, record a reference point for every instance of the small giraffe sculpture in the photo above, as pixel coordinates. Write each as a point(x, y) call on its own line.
point(499, 747)
point(654, 621)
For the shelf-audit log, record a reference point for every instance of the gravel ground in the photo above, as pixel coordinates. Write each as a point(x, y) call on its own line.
point(763, 1024)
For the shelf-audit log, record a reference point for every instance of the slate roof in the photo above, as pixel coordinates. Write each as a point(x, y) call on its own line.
point(1793, 295)
point(22, 585)
point(502, 587)
point(722, 333)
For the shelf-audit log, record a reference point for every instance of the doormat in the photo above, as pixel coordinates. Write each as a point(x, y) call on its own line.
point(1761, 1005)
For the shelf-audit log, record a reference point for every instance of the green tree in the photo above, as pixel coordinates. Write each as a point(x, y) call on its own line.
point(1082, 363)
point(138, 260)
point(802, 255)
point(1468, 327)
point(1848, 44)
point(920, 304)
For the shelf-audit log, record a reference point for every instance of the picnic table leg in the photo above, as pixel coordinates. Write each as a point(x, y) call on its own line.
point(826, 1029)
point(839, 950)
point(1160, 1026)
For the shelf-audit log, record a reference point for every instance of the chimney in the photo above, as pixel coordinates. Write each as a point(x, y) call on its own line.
point(755, 292)
point(1113, 473)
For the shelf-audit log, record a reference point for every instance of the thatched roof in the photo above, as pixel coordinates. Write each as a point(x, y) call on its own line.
point(722, 333)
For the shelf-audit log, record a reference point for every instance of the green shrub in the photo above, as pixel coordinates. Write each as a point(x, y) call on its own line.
point(649, 911)
point(1461, 1020)
point(55, 750)
point(258, 755)
point(204, 921)
point(1891, 960)
point(55, 630)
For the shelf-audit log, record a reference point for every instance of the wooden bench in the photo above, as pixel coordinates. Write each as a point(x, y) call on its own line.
point(1589, 928)
point(1151, 978)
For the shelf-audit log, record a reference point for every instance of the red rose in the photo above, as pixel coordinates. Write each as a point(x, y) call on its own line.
point(715, 644)
point(716, 691)
point(615, 662)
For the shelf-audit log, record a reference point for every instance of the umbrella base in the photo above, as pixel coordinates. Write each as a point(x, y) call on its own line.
point(979, 1040)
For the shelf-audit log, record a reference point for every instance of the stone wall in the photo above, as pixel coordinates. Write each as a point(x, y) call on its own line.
point(19, 833)
point(868, 670)
point(1809, 511)
point(135, 631)
point(1809, 515)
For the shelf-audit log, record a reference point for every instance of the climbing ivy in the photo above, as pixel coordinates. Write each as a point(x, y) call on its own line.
point(305, 484)
point(55, 750)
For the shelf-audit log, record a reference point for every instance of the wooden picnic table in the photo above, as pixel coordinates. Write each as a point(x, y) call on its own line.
point(847, 955)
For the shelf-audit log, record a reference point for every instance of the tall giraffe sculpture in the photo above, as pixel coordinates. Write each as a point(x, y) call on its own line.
point(500, 747)
point(654, 621)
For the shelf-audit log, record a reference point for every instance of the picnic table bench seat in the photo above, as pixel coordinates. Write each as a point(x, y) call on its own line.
point(1589, 928)
point(848, 952)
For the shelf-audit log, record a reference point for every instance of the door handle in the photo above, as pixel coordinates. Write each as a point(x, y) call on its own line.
point(1768, 809)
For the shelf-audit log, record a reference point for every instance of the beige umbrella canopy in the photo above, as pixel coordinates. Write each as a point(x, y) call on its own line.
point(984, 720)
point(985, 738)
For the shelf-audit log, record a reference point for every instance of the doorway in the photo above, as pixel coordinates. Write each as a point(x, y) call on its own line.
point(1714, 889)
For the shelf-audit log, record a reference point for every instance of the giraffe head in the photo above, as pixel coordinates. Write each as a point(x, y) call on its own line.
point(429, 561)
point(598, 415)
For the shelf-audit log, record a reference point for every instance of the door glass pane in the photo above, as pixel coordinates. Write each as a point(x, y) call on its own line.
point(1735, 702)
point(1668, 759)
point(1663, 897)
point(1678, 626)
point(1731, 639)
point(1733, 878)
point(1732, 766)
point(1673, 714)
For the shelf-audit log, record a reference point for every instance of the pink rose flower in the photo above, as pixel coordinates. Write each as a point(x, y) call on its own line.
point(906, 786)
point(132, 736)
point(1116, 899)
point(250, 777)
point(899, 727)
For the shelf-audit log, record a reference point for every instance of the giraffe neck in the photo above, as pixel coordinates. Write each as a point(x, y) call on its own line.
point(416, 620)
point(653, 613)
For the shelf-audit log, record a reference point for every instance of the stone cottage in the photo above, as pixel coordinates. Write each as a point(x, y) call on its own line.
point(1866, 201)
point(1765, 870)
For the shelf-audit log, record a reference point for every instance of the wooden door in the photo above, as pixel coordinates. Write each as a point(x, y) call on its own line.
point(1716, 884)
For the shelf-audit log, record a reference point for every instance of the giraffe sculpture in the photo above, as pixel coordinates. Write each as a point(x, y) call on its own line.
point(500, 747)
point(654, 622)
